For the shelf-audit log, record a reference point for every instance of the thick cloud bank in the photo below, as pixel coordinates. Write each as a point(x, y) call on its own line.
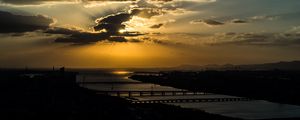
point(18, 23)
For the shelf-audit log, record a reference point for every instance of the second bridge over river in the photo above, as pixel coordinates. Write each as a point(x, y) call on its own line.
point(207, 97)
point(151, 93)
point(196, 100)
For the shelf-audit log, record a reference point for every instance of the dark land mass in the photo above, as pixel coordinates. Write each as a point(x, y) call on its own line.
point(49, 95)
point(272, 85)
point(283, 65)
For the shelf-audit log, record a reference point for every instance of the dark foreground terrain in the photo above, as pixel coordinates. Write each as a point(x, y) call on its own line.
point(273, 85)
point(49, 95)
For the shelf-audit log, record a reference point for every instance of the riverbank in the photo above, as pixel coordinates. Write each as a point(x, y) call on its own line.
point(52, 95)
point(274, 85)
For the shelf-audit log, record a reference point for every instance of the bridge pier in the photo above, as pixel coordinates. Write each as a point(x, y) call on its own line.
point(163, 93)
point(118, 94)
point(129, 94)
point(141, 93)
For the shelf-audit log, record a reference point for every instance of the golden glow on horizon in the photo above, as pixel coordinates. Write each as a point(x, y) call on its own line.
point(125, 55)
point(121, 72)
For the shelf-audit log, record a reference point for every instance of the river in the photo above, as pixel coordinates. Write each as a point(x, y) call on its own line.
point(256, 109)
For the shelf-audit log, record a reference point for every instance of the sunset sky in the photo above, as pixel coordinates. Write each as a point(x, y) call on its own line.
point(147, 33)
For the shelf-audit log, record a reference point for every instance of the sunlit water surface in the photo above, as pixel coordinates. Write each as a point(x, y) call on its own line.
point(257, 109)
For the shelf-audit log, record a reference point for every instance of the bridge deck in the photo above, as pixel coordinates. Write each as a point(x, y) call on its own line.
point(112, 83)
point(190, 100)
point(131, 94)
point(151, 93)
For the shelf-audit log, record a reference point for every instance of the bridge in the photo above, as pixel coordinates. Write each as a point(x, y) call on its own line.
point(151, 93)
point(131, 94)
point(190, 100)
point(112, 83)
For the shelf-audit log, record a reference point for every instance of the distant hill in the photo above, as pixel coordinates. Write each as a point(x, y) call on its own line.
point(292, 65)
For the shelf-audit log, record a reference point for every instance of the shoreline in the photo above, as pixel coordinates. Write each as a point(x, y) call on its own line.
point(220, 82)
point(54, 94)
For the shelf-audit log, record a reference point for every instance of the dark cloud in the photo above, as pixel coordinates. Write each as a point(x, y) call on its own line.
point(130, 34)
point(135, 40)
point(259, 39)
point(35, 2)
point(77, 36)
point(113, 23)
point(212, 22)
point(22, 2)
point(156, 26)
point(207, 22)
point(238, 21)
point(163, 0)
point(118, 39)
point(31, 2)
point(106, 29)
point(154, 40)
point(11, 23)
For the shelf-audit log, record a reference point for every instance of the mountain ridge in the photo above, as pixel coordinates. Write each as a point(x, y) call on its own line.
point(282, 65)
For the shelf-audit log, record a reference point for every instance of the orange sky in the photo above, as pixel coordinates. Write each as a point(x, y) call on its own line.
point(144, 33)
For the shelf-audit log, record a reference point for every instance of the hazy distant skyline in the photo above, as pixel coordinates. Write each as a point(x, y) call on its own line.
point(147, 33)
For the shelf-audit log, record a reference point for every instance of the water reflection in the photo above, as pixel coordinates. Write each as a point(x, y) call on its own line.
point(258, 109)
point(122, 72)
